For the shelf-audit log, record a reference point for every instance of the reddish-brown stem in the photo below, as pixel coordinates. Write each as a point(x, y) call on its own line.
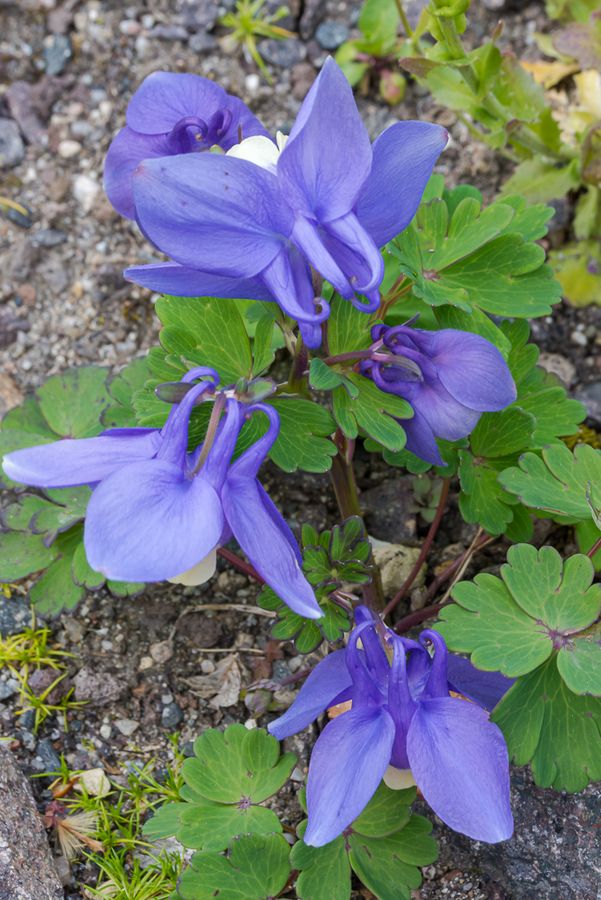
point(425, 549)
point(419, 616)
point(240, 564)
point(594, 549)
point(346, 357)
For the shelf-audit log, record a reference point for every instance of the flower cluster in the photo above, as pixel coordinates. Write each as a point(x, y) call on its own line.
point(158, 512)
point(253, 221)
point(404, 725)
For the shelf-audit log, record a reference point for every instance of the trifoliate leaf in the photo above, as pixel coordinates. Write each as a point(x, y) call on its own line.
point(539, 605)
point(230, 775)
point(206, 332)
point(459, 254)
point(372, 411)
point(383, 847)
point(540, 180)
point(563, 483)
point(257, 868)
point(553, 729)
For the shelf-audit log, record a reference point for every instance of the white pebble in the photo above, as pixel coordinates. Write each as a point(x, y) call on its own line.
point(577, 337)
point(85, 191)
point(252, 83)
point(68, 148)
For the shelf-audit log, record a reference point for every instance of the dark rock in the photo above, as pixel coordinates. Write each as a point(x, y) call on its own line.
point(312, 14)
point(97, 687)
point(188, 749)
point(202, 42)
point(31, 104)
point(27, 869)
point(12, 149)
point(331, 34)
point(57, 53)
point(553, 853)
point(49, 237)
point(282, 53)
point(169, 33)
point(171, 716)
point(15, 615)
point(389, 513)
point(49, 758)
point(7, 690)
point(10, 325)
point(590, 395)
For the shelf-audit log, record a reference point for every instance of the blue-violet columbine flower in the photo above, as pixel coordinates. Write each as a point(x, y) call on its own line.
point(449, 377)
point(252, 223)
point(173, 113)
point(402, 717)
point(158, 512)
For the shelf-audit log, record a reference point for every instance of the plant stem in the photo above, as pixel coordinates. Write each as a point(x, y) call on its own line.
point(425, 549)
point(241, 565)
point(342, 474)
point(479, 542)
point(299, 367)
point(404, 20)
point(419, 616)
point(594, 549)
point(218, 407)
point(345, 357)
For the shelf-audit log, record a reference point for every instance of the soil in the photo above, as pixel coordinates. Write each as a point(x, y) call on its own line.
point(66, 72)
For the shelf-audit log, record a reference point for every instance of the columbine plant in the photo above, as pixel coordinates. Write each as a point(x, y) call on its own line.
point(397, 303)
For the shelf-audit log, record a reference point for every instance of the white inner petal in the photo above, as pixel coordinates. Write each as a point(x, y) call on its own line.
point(260, 150)
point(398, 779)
point(199, 573)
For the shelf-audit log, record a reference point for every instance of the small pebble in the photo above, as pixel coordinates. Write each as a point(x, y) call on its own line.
point(579, 338)
point(252, 82)
point(85, 191)
point(57, 53)
point(12, 149)
point(171, 716)
point(127, 726)
point(162, 651)
point(68, 149)
point(105, 732)
point(330, 34)
point(146, 662)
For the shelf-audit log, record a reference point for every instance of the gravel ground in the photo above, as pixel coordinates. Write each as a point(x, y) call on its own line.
point(66, 72)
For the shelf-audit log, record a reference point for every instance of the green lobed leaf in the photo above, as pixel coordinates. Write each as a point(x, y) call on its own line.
point(257, 868)
point(304, 441)
point(539, 180)
point(73, 401)
point(514, 623)
point(55, 591)
point(322, 377)
point(372, 411)
point(120, 412)
point(206, 332)
point(556, 731)
point(348, 328)
point(22, 554)
point(562, 483)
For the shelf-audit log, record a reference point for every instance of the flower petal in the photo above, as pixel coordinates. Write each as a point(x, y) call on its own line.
point(147, 522)
point(403, 159)
point(421, 439)
point(71, 462)
point(265, 538)
point(460, 763)
point(446, 416)
point(327, 680)
point(164, 98)
point(471, 368)
point(183, 281)
point(211, 212)
point(484, 688)
point(327, 157)
point(347, 765)
point(126, 152)
point(288, 279)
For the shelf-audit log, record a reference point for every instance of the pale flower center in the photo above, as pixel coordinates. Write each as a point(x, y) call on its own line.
point(260, 150)
point(199, 573)
point(398, 779)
